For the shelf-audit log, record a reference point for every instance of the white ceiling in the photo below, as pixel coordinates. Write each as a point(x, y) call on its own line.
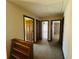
point(42, 8)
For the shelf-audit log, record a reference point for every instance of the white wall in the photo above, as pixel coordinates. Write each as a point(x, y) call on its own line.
point(67, 40)
point(14, 25)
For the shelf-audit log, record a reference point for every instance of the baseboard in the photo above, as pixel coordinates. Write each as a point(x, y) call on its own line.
point(63, 54)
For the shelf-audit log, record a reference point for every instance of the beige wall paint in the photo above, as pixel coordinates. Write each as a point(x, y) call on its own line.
point(67, 42)
point(53, 17)
point(14, 25)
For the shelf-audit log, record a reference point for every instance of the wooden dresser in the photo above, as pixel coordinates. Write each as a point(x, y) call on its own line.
point(21, 49)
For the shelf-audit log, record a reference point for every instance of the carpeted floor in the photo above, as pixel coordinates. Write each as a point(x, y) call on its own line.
point(47, 50)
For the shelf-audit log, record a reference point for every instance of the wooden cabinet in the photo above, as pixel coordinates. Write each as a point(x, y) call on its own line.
point(21, 49)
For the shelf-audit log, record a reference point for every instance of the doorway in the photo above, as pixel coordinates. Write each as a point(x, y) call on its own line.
point(45, 30)
point(28, 28)
point(57, 31)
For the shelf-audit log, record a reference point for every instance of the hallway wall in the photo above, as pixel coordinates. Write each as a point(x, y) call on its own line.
point(14, 23)
point(67, 40)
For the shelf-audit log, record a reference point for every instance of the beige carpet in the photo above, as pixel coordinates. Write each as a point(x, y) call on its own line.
point(47, 50)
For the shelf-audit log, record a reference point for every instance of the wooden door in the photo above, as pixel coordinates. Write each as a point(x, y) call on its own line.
point(28, 29)
point(38, 30)
point(61, 32)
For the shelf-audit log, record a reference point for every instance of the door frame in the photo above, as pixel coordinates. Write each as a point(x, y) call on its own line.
point(48, 28)
point(24, 26)
point(40, 32)
point(61, 30)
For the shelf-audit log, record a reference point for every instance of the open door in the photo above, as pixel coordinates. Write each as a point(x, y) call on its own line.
point(61, 32)
point(28, 28)
point(38, 30)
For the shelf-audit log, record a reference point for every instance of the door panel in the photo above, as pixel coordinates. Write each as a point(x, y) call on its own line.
point(61, 32)
point(29, 29)
point(38, 30)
